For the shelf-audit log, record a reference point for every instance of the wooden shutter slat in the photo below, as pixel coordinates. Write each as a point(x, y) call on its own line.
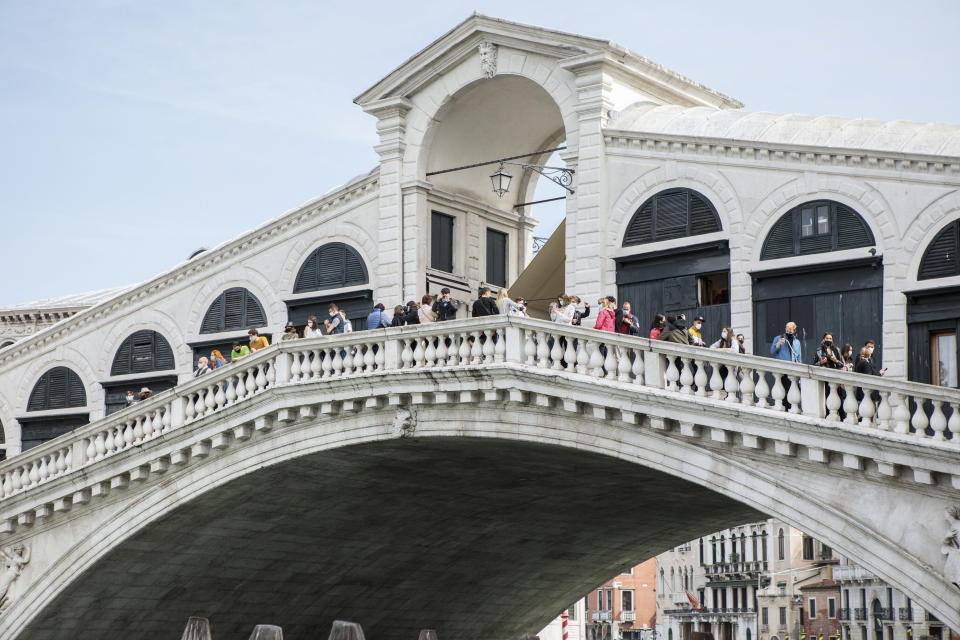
point(942, 256)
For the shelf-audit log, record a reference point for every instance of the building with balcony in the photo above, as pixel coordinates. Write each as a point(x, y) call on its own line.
point(625, 607)
point(576, 623)
point(821, 602)
point(873, 610)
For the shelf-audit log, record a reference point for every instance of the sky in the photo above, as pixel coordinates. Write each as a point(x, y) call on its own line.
point(133, 133)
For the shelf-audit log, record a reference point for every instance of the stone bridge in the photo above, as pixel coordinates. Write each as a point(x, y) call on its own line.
point(473, 476)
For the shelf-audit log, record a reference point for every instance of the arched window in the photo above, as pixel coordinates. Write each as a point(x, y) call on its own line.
point(674, 213)
point(755, 556)
point(669, 634)
point(781, 546)
point(58, 388)
point(673, 580)
point(663, 582)
point(743, 547)
point(141, 352)
point(723, 549)
point(818, 226)
point(942, 256)
point(234, 309)
point(702, 558)
point(331, 266)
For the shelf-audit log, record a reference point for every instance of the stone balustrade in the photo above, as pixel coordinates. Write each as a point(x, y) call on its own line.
point(915, 414)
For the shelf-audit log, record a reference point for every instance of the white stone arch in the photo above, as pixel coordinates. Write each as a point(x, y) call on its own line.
point(918, 236)
point(155, 320)
point(67, 357)
point(859, 196)
point(246, 278)
point(348, 233)
point(12, 433)
point(712, 184)
point(432, 102)
point(739, 479)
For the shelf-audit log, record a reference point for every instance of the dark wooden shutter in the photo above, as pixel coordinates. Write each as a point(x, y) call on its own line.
point(942, 256)
point(496, 258)
point(142, 351)
point(58, 388)
point(441, 242)
point(213, 319)
point(233, 307)
point(674, 213)
point(331, 266)
point(852, 230)
point(255, 317)
point(779, 242)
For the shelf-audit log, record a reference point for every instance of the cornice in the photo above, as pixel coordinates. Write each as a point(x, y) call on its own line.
point(246, 243)
point(812, 157)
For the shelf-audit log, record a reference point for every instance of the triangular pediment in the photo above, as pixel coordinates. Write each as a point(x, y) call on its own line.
point(462, 41)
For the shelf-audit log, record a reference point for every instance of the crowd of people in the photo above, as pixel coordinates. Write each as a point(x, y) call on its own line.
point(565, 309)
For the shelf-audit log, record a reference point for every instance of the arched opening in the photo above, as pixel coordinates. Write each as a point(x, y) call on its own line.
point(6, 343)
point(234, 312)
point(334, 265)
point(781, 546)
point(933, 315)
point(58, 389)
point(491, 119)
point(844, 298)
point(137, 359)
point(693, 279)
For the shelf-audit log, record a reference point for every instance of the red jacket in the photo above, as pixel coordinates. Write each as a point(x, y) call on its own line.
point(605, 320)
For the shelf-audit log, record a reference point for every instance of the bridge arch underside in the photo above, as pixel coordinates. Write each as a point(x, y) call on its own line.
point(474, 537)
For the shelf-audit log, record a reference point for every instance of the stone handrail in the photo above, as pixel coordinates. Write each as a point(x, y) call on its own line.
point(915, 413)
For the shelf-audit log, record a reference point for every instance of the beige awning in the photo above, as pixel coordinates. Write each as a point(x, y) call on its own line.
point(543, 278)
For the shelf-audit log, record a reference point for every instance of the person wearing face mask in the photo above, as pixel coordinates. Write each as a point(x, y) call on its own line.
point(312, 330)
point(130, 399)
point(695, 336)
point(239, 351)
point(257, 341)
point(334, 324)
point(865, 361)
point(787, 346)
point(846, 355)
point(726, 341)
point(676, 330)
point(827, 355)
point(656, 327)
point(741, 343)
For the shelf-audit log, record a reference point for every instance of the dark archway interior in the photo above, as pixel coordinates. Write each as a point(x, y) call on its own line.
point(474, 538)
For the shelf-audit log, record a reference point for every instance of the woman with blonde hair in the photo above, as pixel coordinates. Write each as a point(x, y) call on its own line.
point(507, 306)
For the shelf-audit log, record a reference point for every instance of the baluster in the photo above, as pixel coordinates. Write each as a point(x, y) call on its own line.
point(419, 355)
point(623, 364)
point(731, 385)
point(465, 348)
point(261, 379)
point(125, 435)
point(270, 371)
point(530, 347)
point(793, 395)
point(16, 480)
point(336, 364)
point(488, 348)
point(596, 359)
point(25, 476)
point(100, 444)
point(368, 359)
point(673, 374)
point(919, 419)
point(778, 393)
point(583, 356)
point(152, 425)
point(686, 376)
point(476, 349)
point(610, 362)
point(543, 350)
point(638, 366)
point(700, 379)
point(210, 399)
point(7, 484)
point(349, 360)
point(219, 398)
point(441, 350)
point(938, 421)
point(43, 471)
point(91, 449)
point(230, 390)
point(310, 368)
point(429, 353)
point(884, 411)
point(747, 387)
point(295, 367)
point(453, 351)
point(850, 406)
point(250, 381)
point(866, 410)
point(570, 356)
point(406, 355)
point(500, 346)
point(833, 403)
point(166, 421)
point(953, 424)
point(68, 458)
point(239, 386)
point(556, 355)
point(379, 359)
point(901, 414)
point(138, 427)
point(110, 442)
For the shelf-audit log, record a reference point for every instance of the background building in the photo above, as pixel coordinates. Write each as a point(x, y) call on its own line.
point(624, 607)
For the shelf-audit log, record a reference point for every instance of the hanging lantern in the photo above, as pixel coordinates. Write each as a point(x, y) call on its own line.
point(501, 181)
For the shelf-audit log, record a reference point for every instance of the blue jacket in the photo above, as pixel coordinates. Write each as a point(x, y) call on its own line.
point(786, 351)
point(377, 320)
